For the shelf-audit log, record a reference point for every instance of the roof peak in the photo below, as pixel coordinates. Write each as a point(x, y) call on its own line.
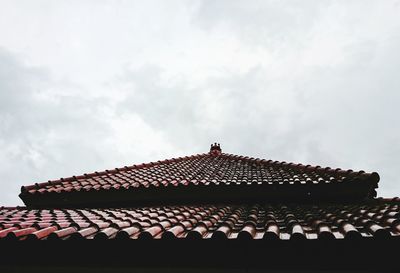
point(215, 149)
point(217, 176)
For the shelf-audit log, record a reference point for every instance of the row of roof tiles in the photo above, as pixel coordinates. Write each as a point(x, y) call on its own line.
point(202, 169)
point(298, 222)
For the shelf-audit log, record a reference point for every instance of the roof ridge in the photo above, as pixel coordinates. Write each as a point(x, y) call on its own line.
point(308, 168)
point(112, 171)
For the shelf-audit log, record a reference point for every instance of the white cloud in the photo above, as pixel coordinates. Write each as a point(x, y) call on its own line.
point(92, 85)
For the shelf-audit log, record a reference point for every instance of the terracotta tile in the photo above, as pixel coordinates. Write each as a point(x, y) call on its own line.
point(248, 232)
point(20, 233)
point(274, 222)
point(126, 233)
point(5, 231)
point(59, 234)
point(198, 232)
point(202, 169)
point(106, 233)
point(84, 233)
point(222, 232)
point(42, 233)
point(174, 232)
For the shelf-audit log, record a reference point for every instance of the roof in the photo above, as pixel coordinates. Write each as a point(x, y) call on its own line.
point(206, 210)
point(208, 177)
point(378, 218)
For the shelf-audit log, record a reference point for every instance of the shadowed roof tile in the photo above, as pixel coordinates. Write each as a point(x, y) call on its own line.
point(377, 218)
point(210, 173)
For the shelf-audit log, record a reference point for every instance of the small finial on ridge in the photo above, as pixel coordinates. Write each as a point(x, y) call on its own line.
point(215, 149)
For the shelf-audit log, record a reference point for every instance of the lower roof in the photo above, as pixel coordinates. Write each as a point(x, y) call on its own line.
point(373, 219)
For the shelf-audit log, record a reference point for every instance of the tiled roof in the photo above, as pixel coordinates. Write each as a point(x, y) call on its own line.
point(208, 172)
point(377, 218)
point(212, 209)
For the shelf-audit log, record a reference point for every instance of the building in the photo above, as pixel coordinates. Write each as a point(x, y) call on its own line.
point(213, 212)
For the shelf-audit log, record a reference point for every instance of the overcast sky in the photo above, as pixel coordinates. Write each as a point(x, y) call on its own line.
point(93, 85)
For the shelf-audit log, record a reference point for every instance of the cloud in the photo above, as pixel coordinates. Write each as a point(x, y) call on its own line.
point(111, 84)
point(264, 23)
point(46, 134)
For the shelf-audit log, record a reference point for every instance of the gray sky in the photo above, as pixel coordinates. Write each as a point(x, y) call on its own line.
point(91, 85)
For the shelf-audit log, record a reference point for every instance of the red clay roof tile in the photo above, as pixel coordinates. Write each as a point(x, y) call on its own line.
point(213, 170)
point(378, 218)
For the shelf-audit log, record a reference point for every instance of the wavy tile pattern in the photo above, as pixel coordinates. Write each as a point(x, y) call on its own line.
point(380, 219)
point(202, 169)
